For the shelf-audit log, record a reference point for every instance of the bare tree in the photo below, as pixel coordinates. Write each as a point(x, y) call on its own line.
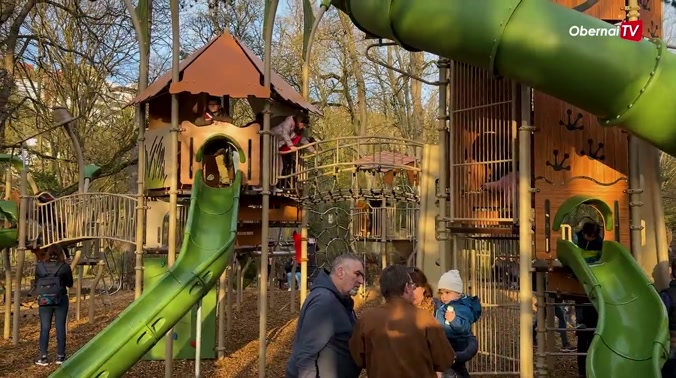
point(77, 63)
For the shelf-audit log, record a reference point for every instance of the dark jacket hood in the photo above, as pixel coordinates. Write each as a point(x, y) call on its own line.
point(323, 281)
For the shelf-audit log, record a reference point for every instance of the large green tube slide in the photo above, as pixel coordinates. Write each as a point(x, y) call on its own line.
point(632, 334)
point(207, 249)
point(624, 83)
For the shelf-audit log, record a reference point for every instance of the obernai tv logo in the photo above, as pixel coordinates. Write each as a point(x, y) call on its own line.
point(629, 30)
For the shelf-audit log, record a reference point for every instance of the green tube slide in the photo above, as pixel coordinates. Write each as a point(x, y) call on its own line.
point(207, 249)
point(632, 334)
point(624, 83)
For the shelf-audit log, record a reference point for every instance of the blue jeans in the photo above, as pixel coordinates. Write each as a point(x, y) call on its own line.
point(60, 313)
point(288, 279)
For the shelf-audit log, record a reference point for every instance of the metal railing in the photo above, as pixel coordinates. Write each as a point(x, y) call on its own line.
point(385, 223)
point(350, 165)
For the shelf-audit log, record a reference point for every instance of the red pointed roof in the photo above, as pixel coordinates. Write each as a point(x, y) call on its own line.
point(384, 157)
point(224, 67)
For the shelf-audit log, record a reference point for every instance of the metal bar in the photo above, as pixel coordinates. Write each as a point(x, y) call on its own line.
point(465, 164)
point(525, 233)
point(451, 144)
point(223, 290)
point(477, 107)
point(571, 329)
point(635, 189)
point(21, 249)
point(303, 213)
point(265, 216)
point(662, 276)
point(140, 165)
point(540, 329)
point(198, 340)
point(173, 172)
point(7, 264)
point(444, 164)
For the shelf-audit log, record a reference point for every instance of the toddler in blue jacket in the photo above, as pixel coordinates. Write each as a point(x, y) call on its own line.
point(457, 312)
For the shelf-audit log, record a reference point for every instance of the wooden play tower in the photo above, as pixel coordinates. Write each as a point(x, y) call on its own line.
point(224, 68)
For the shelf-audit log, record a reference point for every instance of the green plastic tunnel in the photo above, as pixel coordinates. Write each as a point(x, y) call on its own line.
point(624, 83)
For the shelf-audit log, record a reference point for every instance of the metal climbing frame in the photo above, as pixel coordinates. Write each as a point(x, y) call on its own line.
point(483, 209)
point(80, 217)
point(397, 221)
point(490, 270)
point(483, 157)
point(347, 168)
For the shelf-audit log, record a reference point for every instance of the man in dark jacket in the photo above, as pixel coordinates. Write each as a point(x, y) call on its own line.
point(321, 346)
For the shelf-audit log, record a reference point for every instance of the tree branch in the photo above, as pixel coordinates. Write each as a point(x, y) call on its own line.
point(107, 170)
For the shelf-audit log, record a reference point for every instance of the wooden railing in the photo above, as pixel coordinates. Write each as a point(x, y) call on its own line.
point(80, 217)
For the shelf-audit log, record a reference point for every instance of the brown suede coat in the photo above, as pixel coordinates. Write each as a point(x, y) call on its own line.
point(399, 340)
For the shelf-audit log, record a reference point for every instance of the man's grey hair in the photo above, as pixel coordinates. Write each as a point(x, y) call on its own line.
point(342, 260)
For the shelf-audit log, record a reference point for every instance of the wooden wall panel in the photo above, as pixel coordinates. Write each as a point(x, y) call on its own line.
point(573, 154)
point(651, 14)
point(481, 145)
point(609, 10)
point(192, 138)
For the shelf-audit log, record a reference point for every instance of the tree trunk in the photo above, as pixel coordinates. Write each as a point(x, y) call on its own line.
point(356, 69)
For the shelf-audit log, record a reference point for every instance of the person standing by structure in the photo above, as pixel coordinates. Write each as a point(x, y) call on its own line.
point(399, 329)
point(325, 324)
point(52, 277)
point(289, 134)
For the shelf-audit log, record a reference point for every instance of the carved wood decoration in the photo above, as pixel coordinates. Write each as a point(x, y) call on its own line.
point(609, 10)
point(651, 14)
point(594, 151)
point(573, 154)
point(193, 137)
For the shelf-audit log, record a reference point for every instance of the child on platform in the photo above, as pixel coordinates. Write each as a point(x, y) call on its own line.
point(457, 312)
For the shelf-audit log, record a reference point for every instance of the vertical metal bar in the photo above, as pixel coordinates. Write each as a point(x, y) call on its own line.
point(198, 340)
point(541, 328)
point(635, 189)
point(173, 172)
point(141, 165)
point(525, 234)
point(292, 287)
point(383, 232)
point(550, 335)
point(451, 153)
point(78, 288)
point(265, 216)
point(21, 249)
point(442, 118)
point(229, 299)
point(7, 264)
point(223, 290)
point(662, 275)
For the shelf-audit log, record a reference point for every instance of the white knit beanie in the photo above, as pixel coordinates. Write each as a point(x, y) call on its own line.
point(450, 281)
